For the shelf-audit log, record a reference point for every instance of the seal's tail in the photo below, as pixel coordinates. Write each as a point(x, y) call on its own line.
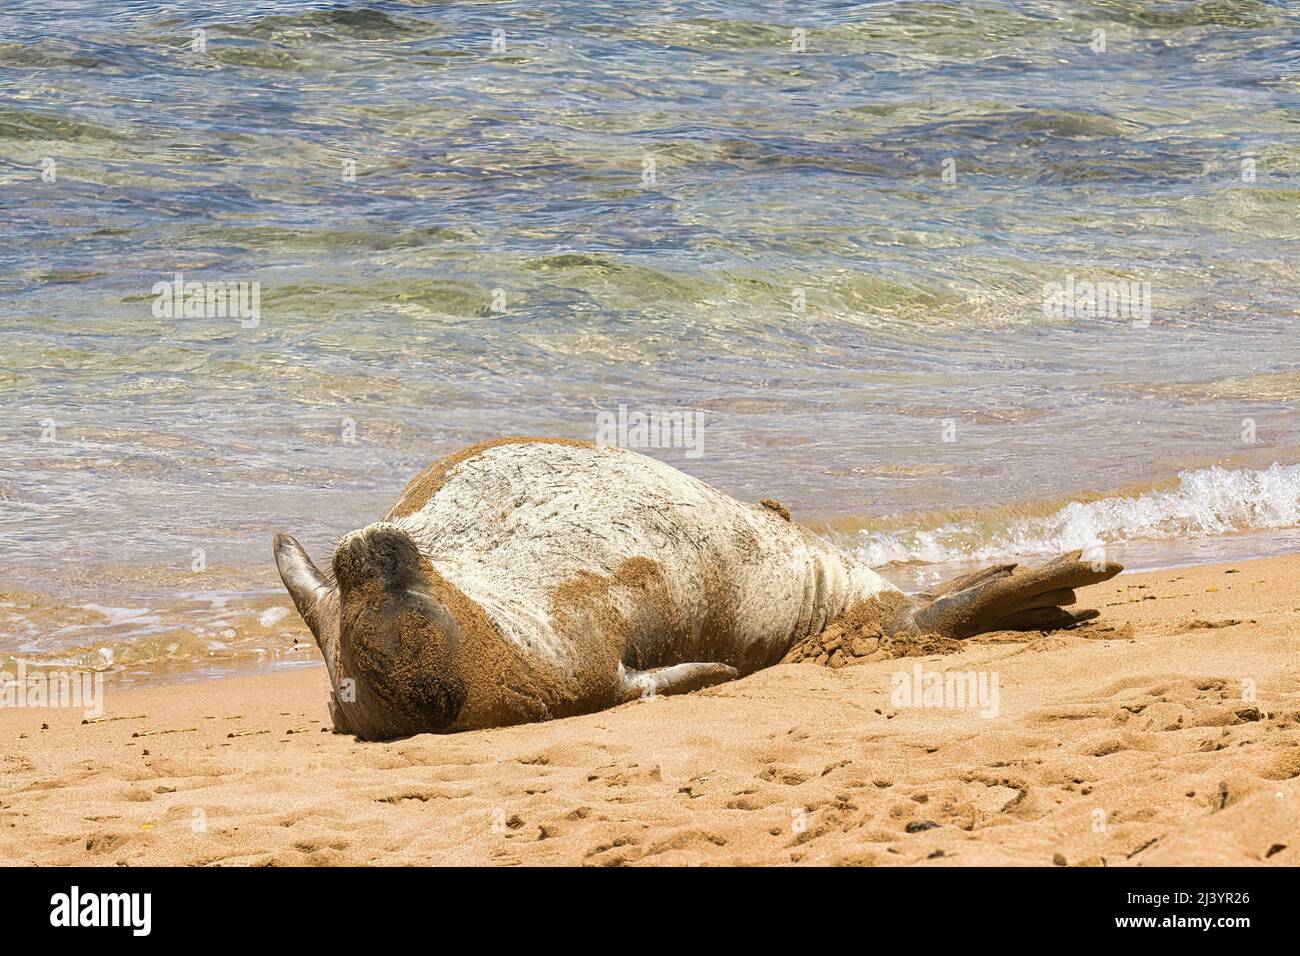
point(1008, 598)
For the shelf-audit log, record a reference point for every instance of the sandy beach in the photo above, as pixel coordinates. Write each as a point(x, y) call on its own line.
point(1166, 733)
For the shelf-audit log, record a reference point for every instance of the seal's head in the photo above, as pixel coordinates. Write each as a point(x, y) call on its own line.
point(389, 641)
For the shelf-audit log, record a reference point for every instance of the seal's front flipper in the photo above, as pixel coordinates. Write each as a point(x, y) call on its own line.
point(307, 586)
point(1008, 598)
point(678, 679)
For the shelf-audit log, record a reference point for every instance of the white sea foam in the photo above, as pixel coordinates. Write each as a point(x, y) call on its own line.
point(272, 616)
point(1206, 503)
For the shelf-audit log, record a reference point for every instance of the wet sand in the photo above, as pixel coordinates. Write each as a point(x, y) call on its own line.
point(1127, 742)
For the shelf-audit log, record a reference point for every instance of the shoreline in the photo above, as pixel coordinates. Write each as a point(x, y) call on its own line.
point(256, 630)
point(1124, 742)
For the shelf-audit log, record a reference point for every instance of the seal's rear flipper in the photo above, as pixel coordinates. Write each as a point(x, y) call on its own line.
point(678, 679)
point(1006, 598)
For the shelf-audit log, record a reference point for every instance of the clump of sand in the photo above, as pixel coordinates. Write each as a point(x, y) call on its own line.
point(858, 637)
point(843, 645)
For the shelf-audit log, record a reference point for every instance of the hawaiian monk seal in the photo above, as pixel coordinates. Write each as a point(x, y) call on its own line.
point(525, 579)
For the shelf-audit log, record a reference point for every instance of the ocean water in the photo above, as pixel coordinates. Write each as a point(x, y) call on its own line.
point(830, 232)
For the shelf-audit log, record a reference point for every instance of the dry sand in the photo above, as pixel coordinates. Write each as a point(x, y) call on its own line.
point(1132, 741)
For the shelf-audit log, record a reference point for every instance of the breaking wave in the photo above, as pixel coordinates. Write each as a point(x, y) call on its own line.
point(1205, 503)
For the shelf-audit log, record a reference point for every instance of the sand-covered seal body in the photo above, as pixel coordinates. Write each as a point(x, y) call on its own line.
point(527, 579)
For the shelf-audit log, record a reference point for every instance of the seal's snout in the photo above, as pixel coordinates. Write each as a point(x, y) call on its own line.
point(397, 641)
point(381, 553)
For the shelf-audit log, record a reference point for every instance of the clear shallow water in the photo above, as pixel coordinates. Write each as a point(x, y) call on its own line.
point(522, 171)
